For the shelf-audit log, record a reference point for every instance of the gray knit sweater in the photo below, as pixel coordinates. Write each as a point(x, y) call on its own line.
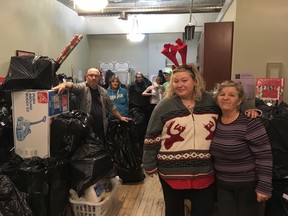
point(177, 142)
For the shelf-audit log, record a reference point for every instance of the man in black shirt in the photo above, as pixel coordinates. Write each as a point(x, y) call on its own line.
point(94, 100)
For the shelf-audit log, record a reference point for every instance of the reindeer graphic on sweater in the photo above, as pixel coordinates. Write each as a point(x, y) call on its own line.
point(175, 131)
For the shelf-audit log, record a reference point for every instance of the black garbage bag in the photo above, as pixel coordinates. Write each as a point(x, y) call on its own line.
point(275, 120)
point(59, 185)
point(6, 133)
point(90, 163)
point(67, 132)
point(12, 201)
point(74, 103)
point(277, 205)
point(122, 143)
point(137, 115)
point(5, 118)
point(45, 181)
point(140, 121)
point(11, 165)
point(125, 146)
point(30, 72)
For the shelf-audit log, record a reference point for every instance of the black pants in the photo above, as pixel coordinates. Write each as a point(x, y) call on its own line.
point(202, 200)
point(237, 198)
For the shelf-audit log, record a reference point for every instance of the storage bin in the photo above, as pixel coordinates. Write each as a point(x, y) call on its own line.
point(82, 208)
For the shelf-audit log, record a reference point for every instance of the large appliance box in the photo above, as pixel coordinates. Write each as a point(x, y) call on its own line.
point(33, 112)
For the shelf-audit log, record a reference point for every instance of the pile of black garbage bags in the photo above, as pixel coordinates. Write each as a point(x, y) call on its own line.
point(40, 186)
point(78, 159)
point(275, 119)
point(37, 186)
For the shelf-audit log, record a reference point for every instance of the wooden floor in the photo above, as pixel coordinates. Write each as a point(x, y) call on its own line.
point(141, 199)
point(138, 199)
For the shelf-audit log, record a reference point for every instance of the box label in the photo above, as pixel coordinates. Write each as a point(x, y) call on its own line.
point(42, 97)
point(30, 100)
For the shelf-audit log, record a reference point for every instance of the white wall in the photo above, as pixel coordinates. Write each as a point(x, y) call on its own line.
point(107, 36)
point(144, 56)
point(260, 37)
point(118, 48)
point(44, 27)
point(230, 12)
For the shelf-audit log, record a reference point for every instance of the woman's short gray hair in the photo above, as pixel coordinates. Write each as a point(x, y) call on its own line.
point(230, 83)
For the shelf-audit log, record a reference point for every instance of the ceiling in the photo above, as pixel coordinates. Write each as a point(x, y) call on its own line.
point(122, 8)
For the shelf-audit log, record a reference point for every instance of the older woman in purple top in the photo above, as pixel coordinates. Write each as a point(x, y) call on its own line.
point(242, 156)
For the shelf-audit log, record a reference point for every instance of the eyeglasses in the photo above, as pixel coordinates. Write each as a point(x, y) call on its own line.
point(93, 75)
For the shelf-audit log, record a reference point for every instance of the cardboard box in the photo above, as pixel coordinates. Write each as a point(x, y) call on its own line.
point(33, 112)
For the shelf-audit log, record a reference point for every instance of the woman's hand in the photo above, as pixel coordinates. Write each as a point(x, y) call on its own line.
point(261, 197)
point(253, 113)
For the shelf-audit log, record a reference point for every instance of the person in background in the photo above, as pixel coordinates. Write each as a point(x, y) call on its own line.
point(155, 91)
point(162, 77)
point(136, 99)
point(118, 95)
point(242, 156)
point(108, 75)
point(94, 100)
point(177, 143)
point(167, 75)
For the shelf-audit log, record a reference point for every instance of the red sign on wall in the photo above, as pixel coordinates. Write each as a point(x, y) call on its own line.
point(270, 90)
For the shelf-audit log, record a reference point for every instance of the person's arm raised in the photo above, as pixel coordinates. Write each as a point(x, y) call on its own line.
point(62, 86)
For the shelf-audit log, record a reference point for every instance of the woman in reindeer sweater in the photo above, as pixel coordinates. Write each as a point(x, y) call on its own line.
point(177, 143)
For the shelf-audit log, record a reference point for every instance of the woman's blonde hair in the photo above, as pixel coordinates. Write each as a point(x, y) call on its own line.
point(199, 87)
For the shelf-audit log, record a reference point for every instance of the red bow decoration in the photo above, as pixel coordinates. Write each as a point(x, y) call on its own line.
point(171, 50)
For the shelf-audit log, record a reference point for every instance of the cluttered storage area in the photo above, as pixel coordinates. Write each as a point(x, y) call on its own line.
point(50, 158)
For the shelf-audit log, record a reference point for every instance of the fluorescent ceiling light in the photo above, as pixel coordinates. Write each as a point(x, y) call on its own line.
point(90, 5)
